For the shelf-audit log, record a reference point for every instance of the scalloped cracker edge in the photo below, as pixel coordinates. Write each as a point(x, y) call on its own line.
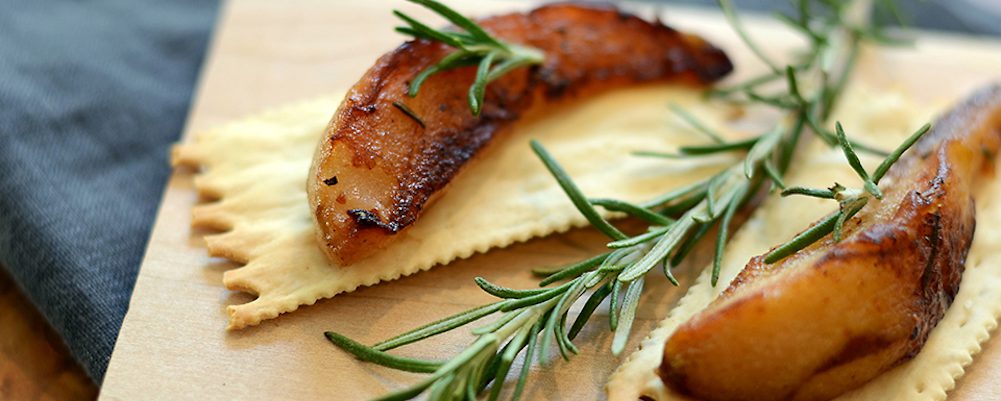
point(256, 169)
point(951, 345)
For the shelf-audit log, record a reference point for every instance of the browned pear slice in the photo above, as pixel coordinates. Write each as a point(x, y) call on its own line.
point(836, 314)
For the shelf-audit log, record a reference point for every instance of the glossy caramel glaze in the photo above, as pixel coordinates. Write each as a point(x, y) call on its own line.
point(835, 315)
point(377, 167)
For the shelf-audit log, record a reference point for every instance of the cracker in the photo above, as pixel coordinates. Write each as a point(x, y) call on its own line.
point(885, 118)
point(256, 170)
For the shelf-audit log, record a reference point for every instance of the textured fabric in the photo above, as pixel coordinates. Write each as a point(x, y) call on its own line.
point(91, 95)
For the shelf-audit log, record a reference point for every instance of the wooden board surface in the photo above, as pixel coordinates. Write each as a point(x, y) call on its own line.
point(266, 54)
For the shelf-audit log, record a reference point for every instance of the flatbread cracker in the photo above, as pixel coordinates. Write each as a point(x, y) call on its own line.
point(885, 118)
point(256, 169)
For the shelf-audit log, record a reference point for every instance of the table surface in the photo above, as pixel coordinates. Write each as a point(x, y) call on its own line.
point(266, 54)
point(34, 363)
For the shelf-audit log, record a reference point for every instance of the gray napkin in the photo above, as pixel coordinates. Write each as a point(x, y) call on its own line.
point(92, 93)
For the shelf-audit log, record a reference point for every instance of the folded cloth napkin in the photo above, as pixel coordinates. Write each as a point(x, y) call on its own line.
point(91, 96)
point(92, 93)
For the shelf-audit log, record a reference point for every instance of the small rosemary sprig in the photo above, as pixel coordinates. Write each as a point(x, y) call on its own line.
point(474, 46)
point(850, 201)
point(529, 322)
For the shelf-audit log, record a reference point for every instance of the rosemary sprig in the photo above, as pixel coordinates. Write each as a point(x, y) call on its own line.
point(528, 323)
point(850, 201)
point(474, 46)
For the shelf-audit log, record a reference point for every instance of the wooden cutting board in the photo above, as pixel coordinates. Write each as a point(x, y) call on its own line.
point(265, 54)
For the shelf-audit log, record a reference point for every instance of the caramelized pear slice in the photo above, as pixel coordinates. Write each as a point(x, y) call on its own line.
point(836, 314)
point(379, 164)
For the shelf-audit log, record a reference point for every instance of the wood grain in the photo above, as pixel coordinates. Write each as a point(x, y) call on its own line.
point(34, 363)
point(265, 54)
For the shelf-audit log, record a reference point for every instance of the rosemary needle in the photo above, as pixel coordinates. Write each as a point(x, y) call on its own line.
point(696, 124)
point(410, 113)
point(731, 15)
point(576, 196)
point(368, 354)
